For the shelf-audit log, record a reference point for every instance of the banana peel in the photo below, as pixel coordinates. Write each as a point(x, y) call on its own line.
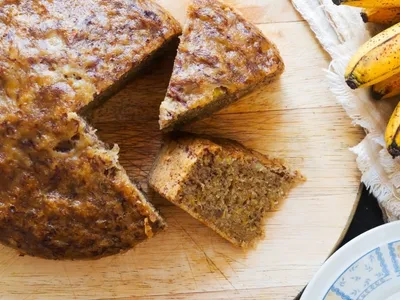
point(369, 3)
point(387, 89)
point(392, 134)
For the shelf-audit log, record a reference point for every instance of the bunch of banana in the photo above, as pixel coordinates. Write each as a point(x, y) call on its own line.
point(377, 62)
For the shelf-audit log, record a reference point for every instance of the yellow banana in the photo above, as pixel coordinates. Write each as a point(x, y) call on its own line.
point(387, 88)
point(386, 16)
point(369, 3)
point(376, 60)
point(392, 134)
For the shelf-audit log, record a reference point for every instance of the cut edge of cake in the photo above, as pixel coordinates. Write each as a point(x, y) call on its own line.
point(179, 155)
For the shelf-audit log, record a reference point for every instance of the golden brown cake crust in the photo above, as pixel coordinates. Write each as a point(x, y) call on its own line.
point(63, 194)
point(220, 58)
point(176, 177)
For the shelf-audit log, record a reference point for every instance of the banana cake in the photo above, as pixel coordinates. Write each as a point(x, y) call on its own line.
point(223, 184)
point(63, 193)
point(221, 57)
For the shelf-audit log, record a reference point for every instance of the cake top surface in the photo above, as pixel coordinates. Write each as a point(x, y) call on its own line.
point(73, 49)
point(62, 192)
point(220, 53)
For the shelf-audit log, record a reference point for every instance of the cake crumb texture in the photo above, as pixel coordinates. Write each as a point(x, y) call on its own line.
point(222, 184)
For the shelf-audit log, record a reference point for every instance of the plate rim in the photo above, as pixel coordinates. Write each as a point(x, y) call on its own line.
point(336, 264)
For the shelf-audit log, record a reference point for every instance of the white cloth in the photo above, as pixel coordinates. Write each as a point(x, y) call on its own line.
point(341, 31)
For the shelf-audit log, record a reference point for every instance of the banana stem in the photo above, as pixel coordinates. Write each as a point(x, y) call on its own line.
point(364, 17)
point(351, 84)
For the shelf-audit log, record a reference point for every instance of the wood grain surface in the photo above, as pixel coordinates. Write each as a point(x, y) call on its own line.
point(296, 118)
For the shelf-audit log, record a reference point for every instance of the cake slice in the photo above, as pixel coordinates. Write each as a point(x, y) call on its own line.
point(221, 183)
point(221, 57)
point(63, 193)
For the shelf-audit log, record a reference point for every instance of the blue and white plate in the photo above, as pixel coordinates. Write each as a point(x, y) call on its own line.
point(366, 268)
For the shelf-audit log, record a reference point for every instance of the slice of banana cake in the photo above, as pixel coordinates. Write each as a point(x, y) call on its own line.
point(221, 183)
point(221, 57)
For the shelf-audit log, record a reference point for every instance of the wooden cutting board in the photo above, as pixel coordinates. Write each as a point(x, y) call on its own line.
point(296, 118)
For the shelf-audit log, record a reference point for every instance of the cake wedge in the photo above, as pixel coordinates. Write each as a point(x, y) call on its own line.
point(222, 184)
point(221, 57)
